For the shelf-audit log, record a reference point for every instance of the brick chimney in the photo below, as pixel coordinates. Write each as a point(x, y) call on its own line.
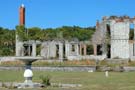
point(22, 15)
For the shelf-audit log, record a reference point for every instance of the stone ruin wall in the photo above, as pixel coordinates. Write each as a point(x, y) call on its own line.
point(121, 47)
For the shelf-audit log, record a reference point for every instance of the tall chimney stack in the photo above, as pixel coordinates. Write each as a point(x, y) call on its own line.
point(22, 15)
point(19, 45)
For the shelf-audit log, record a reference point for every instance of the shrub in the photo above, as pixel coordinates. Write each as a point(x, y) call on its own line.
point(131, 63)
point(64, 63)
point(12, 63)
point(45, 80)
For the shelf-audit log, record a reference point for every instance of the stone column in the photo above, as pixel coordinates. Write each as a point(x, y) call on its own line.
point(134, 39)
point(85, 50)
point(67, 49)
point(80, 49)
point(52, 48)
point(22, 51)
point(19, 49)
point(134, 30)
point(42, 50)
point(131, 49)
point(95, 49)
point(77, 49)
point(48, 50)
point(60, 51)
point(34, 49)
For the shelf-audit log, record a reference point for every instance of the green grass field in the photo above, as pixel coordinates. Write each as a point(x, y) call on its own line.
point(89, 81)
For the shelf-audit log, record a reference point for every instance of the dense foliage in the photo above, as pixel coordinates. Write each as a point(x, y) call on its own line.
point(7, 36)
point(65, 32)
point(7, 42)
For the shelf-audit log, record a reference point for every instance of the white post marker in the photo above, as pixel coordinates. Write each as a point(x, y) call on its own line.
point(90, 71)
point(106, 74)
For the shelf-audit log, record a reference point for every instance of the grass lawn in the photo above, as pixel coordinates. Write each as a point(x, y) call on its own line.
point(89, 81)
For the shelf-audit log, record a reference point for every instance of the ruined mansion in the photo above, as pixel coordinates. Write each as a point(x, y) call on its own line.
point(110, 40)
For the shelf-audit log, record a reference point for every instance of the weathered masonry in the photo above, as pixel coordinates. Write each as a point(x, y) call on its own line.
point(55, 49)
point(114, 37)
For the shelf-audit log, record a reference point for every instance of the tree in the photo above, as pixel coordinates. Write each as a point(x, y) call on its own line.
point(21, 32)
point(34, 33)
point(7, 36)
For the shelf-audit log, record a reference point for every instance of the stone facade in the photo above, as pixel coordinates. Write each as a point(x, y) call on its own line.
point(111, 40)
point(112, 34)
point(56, 50)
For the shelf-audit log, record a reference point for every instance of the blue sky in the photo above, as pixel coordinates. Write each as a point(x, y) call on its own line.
point(56, 13)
